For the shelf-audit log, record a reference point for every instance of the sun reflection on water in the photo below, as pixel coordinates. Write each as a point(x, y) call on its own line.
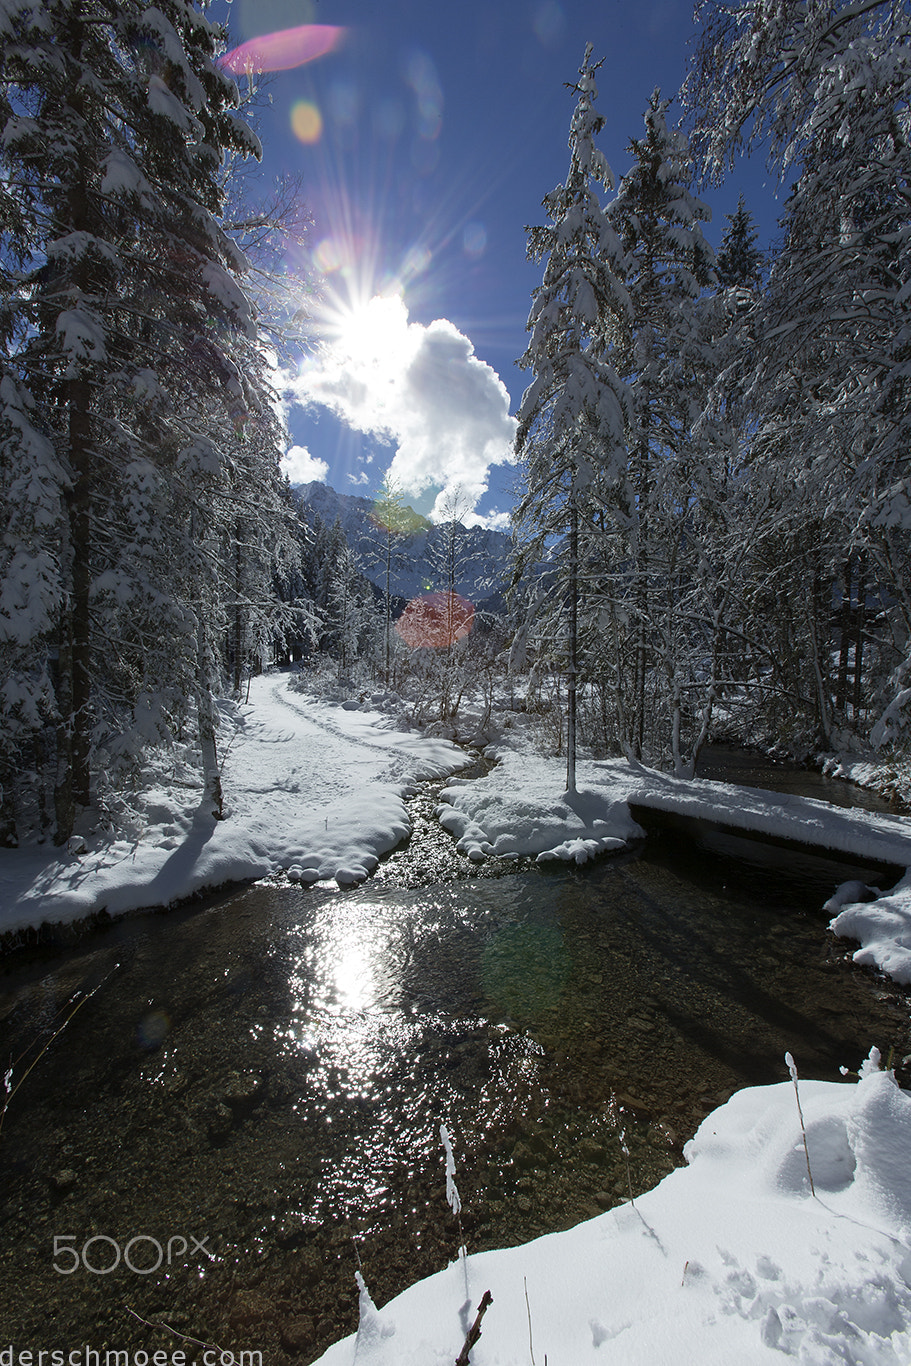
point(372, 1054)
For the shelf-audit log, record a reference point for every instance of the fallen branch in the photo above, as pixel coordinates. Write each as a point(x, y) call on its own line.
point(474, 1331)
point(166, 1327)
point(8, 1078)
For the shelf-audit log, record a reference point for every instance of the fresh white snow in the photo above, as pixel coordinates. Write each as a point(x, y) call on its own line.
point(882, 926)
point(518, 808)
point(728, 1260)
point(310, 789)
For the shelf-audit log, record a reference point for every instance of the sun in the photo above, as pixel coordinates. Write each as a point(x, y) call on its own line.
point(374, 332)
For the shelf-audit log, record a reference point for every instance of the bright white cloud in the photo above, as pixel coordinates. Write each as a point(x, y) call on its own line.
point(492, 521)
point(422, 389)
point(302, 468)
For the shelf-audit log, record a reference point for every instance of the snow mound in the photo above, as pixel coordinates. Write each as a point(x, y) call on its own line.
point(513, 811)
point(882, 927)
point(727, 1260)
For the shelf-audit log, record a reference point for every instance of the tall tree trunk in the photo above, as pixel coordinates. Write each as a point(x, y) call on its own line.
point(74, 677)
point(212, 793)
point(844, 645)
point(387, 647)
point(8, 837)
point(822, 700)
point(859, 622)
point(238, 660)
point(73, 787)
point(572, 668)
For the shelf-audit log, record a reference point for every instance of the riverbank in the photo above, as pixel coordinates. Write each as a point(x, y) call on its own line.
point(315, 792)
point(518, 810)
point(312, 791)
point(731, 1258)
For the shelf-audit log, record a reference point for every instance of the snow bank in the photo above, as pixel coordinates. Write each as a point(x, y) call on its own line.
point(515, 810)
point(882, 927)
point(727, 1260)
point(311, 789)
point(870, 771)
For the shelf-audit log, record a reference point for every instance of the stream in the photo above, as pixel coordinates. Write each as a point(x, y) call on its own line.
point(248, 1106)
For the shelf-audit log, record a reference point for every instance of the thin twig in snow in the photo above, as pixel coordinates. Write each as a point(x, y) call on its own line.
point(792, 1068)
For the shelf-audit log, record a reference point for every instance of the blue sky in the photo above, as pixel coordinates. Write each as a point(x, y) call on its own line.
point(425, 143)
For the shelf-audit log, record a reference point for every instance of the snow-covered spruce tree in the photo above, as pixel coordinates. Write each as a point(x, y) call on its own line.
point(261, 551)
point(668, 265)
point(31, 495)
point(352, 610)
point(828, 87)
point(731, 497)
point(128, 324)
point(328, 554)
point(739, 263)
point(574, 415)
point(448, 556)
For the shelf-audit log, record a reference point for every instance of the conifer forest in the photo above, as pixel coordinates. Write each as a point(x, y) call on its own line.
point(712, 533)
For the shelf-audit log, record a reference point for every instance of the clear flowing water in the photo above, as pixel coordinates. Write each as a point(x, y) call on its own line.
point(730, 764)
point(267, 1076)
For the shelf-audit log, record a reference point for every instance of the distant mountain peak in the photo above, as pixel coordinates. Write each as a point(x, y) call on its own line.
point(483, 556)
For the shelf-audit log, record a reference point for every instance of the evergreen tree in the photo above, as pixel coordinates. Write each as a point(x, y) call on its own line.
point(449, 559)
point(30, 586)
point(352, 607)
point(669, 263)
point(828, 86)
point(123, 311)
point(573, 415)
point(393, 525)
point(739, 262)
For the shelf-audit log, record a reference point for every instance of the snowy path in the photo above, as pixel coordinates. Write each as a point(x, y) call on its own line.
point(322, 755)
point(309, 788)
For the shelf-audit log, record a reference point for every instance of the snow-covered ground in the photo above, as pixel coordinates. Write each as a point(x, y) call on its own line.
point(867, 771)
point(316, 790)
point(519, 808)
point(728, 1260)
point(310, 788)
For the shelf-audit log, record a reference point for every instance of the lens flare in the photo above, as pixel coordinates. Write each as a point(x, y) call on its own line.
point(389, 515)
point(330, 255)
point(152, 1029)
point(306, 121)
point(474, 240)
point(421, 75)
point(549, 23)
point(417, 261)
point(284, 49)
point(344, 103)
point(435, 620)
